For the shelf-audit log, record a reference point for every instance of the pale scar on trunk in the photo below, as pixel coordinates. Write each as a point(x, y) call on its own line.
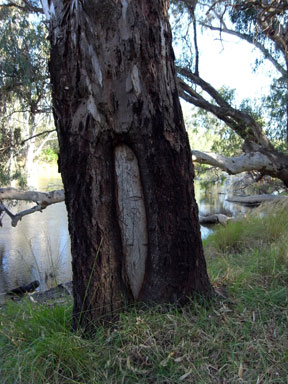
point(131, 216)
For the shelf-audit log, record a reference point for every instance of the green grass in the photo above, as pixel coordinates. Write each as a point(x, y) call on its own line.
point(239, 339)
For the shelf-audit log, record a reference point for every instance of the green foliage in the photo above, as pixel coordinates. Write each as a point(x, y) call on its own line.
point(241, 19)
point(49, 155)
point(211, 134)
point(244, 19)
point(268, 224)
point(239, 338)
point(24, 87)
point(276, 104)
point(252, 109)
point(24, 54)
point(208, 133)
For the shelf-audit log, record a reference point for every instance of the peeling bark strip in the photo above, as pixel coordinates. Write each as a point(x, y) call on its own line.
point(132, 216)
point(115, 98)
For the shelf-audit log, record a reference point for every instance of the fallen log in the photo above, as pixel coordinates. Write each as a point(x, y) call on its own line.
point(254, 200)
point(216, 218)
point(20, 291)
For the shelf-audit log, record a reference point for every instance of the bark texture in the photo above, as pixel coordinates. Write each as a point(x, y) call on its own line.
point(125, 158)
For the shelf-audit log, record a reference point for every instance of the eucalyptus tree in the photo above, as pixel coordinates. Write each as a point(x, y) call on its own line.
point(124, 157)
point(24, 83)
point(263, 24)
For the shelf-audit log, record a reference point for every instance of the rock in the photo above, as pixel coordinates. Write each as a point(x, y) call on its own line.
point(62, 291)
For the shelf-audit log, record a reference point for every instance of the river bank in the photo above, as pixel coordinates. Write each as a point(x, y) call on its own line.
point(241, 337)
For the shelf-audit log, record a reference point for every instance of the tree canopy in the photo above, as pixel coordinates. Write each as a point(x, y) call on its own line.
point(24, 86)
point(253, 22)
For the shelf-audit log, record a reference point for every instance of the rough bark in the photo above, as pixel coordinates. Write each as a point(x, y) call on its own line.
point(128, 217)
point(124, 157)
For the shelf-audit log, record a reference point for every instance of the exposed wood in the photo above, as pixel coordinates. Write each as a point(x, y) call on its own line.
point(129, 217)
point(234, 165)
point(258, 152)
point(20, 291)
point(132, 216)
point(255, 200)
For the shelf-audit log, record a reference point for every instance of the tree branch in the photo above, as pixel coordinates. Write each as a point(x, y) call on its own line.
point(45, 141)
point(37, 135)
point(27, 7)
point(254, 161)
point(243, 124)
point(268, 19)
point(255, 200)
point(251, 40)
point(41, 199)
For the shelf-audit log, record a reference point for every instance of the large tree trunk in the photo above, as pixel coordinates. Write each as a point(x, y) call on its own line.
point(125, 158)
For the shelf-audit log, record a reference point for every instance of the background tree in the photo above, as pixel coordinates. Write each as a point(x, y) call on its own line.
point(263, 25)
point(24, 87)
point(259, 151)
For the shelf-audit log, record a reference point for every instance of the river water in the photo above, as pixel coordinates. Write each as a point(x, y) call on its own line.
point(39, 247)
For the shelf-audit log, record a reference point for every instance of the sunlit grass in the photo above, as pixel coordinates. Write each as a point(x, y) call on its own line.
point(240, 337)
point(266, 225)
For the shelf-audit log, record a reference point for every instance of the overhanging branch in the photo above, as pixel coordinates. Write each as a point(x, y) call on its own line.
point(251, 40)
point(242, 123)
point(42, 200)
point(252, 161)
point(37, 135)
